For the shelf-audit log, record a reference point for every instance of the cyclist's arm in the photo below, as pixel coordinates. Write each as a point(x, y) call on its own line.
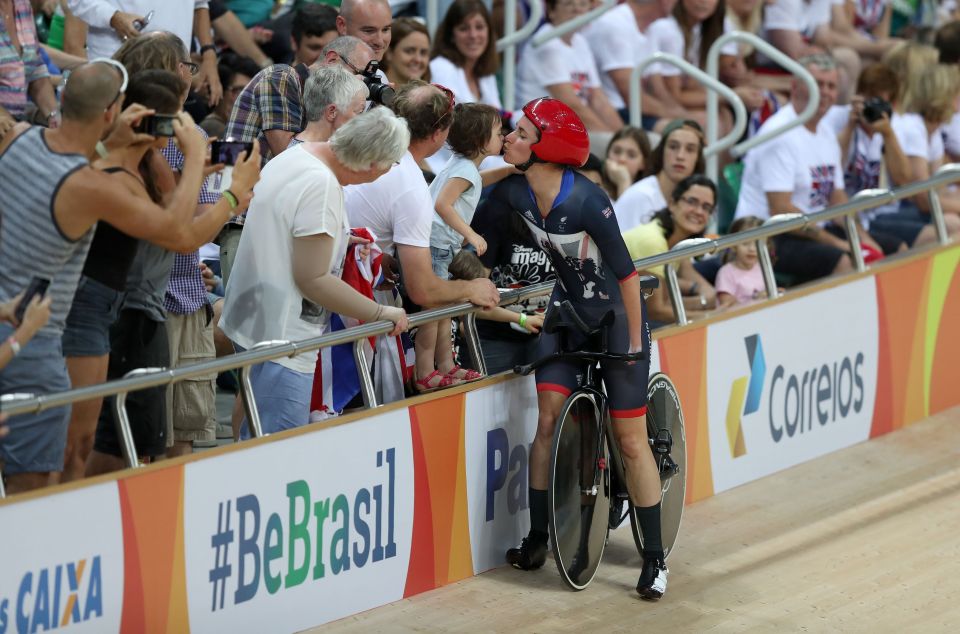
point(630, 290)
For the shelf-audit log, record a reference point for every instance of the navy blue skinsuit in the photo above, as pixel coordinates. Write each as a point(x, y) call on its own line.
point(581, 237)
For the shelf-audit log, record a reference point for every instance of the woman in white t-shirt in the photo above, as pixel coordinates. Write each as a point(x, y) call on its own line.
point(678, 155)
point(688, 33)
point(464, 56)
point(564, 68)
point(927, 101)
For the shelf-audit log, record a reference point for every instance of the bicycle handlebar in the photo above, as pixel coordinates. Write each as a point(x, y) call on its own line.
point(582, 355)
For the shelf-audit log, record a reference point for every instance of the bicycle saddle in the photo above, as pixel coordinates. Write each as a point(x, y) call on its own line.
point(649, 282)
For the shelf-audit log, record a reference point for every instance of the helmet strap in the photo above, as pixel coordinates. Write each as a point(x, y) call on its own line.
point(523, 167)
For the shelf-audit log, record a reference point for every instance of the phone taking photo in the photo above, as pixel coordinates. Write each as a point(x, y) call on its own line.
point(140, 25)
point(228, 152)
point(158, 125)
point(38, 287)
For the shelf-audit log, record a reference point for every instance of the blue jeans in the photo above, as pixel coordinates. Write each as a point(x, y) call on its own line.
point(502, 354)
point(94, 310)
point(441, 259)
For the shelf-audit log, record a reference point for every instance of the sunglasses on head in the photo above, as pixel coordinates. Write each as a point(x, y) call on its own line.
point(452, 102)
point(123, 76)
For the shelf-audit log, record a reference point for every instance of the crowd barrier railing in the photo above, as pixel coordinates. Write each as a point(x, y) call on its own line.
point(713, 86)
point(143, 378)
point(713, 70)
point(507, 45)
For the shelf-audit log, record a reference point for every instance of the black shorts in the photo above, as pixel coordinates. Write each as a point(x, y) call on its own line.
point(626, 383)
point(804, 258)
point(136, 341)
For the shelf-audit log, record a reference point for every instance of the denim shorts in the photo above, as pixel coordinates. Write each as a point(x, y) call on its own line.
point(282, 395)
point(95, 308)
point(36, 442)
point(441, 259)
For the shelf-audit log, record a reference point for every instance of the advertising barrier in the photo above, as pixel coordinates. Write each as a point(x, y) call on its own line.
point(299, 529)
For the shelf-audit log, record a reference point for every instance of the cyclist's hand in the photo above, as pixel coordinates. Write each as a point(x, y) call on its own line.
point(634, 349)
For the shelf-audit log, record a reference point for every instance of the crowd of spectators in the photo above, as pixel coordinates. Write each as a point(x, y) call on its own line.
point(145, 253)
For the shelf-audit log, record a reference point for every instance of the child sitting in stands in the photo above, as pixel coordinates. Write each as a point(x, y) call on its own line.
point(740, 280)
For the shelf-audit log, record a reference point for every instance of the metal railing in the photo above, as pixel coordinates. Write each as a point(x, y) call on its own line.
point(713, 70)
point(712, 84)
point(507, 45)
point(144, 378)
point(574, 24)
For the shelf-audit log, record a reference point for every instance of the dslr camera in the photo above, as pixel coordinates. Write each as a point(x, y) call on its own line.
point(380, 93)
point(874, 108)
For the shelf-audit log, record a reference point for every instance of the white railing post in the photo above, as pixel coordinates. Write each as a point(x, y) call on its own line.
point(507, 45)
point(712, 85)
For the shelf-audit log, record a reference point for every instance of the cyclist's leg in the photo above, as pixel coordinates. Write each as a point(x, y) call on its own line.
point(555, 381)
point(627, 394)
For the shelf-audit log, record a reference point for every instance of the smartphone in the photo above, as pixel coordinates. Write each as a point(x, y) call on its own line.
point(142, 24)
point(157, 125)
point(228, 152)
point(38, 287)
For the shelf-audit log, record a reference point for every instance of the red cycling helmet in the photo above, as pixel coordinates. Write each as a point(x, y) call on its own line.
point(563, 137)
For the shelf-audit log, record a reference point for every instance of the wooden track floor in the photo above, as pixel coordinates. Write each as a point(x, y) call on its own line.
point(862, 540)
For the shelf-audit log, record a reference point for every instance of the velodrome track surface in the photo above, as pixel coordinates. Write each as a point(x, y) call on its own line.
point(864, 539)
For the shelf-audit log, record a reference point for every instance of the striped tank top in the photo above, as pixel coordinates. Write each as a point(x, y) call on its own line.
point(31, 243)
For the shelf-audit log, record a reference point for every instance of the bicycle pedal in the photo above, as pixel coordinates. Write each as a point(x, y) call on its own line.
point(663, 442)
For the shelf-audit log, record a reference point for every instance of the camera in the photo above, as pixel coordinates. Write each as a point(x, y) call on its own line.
point(228, 152)
point(380, 92)
point(874, 108)
point(157, 125)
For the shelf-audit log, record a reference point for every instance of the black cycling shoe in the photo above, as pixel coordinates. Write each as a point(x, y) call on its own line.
point(531, 554)
point(653, 579)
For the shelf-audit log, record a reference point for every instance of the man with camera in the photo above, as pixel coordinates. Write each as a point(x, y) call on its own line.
point(801, 171)
point(48, 228)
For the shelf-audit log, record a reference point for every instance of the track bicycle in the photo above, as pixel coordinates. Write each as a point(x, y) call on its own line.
point(587, 492)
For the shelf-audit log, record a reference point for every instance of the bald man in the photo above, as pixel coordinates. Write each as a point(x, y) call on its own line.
point(369, 20)
point(47, 229)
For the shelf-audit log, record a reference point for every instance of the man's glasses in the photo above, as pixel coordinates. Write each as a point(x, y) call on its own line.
point(451, 103)
point(690, 201)
point(192, 67)
point(356, 71)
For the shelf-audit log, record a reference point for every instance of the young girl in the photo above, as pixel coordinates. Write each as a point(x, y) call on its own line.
point(474, 135)
point(740, 280)
point(626, 158)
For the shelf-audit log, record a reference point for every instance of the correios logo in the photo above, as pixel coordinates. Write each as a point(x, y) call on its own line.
point(826, 393)
point(745, 396)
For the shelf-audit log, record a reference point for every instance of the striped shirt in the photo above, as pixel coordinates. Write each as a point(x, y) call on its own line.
point(18, 71)
point(31, 241)
point(186, 293)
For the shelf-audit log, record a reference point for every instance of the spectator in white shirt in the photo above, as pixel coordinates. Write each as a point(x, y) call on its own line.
point(678, 155)
point(464, 56)
point(618, 40)
point(111, 23)
point(398, 208)
point(291, 257)
point(797, 27)
point(800, 171)
point(564, 68)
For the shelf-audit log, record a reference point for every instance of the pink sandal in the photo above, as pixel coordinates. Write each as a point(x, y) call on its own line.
point(424, 387)
point(464, 375)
